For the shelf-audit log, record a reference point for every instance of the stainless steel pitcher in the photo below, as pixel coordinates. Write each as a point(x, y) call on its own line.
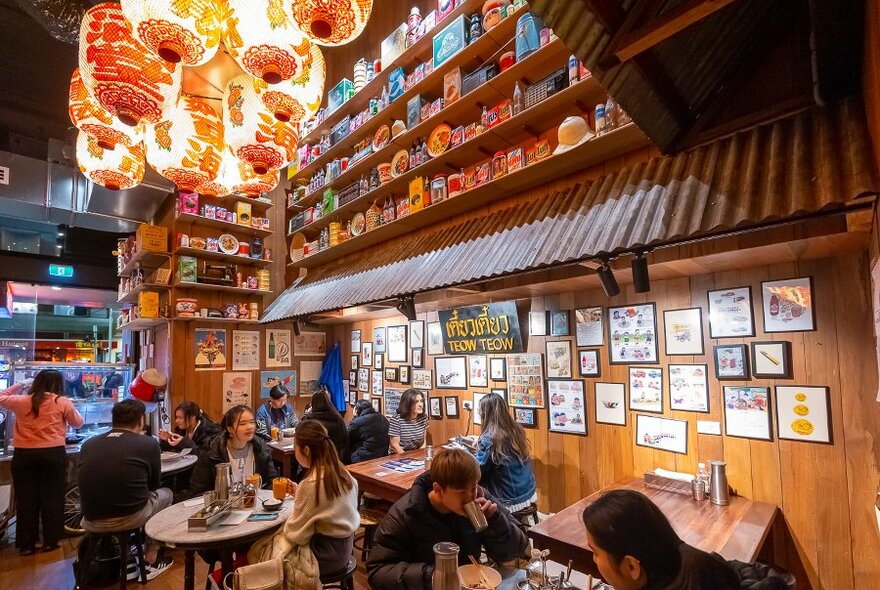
point(445, 567)
point(718, 488)
point(221, 480)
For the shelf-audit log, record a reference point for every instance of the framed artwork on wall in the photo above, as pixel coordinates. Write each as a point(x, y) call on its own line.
point(526, 417)
point(355, 341)
point(418, 358)
point(788, 305)
point(632, 334)
point(478, 371)
point(611, 403)
point(771, 360)
point(391, 374)
point(568, 412)
point(502, 391)
point(363, 381)
point(451, 406)
point(354, 361)
point(367, 354)
point(588, 363)
point(559, 323)
point(525, 380)
point(378, 387)
point(451, 372)
point(421, 379)
point(537, 323)
point(377, 404)
point(396, 344)
point(378, 361)
point(435, 338)
point(747, 412)
point(646, 389)
point(352, 379)
point(803, 412)
point(684, 331)
point(379, 338)
point(730, 313)
point(435, 407)
point(417, 334)
point(589, 329)
point(497, 370)
point(558, 359)
point(689, 388)
point(664, 434)
point(731, 362)
point(403, 374)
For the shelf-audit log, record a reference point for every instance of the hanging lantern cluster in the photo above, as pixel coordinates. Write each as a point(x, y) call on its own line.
point(237, 177)
point(331, 22)
point(185, 31)
point(115, 169)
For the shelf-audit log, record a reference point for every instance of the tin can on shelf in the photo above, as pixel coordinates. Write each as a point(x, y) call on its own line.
point(251, 282)
point(255, 311)
point(453, 185)
point(182, 241)
point(263, 280)
point(438, 189)
point(244, 249)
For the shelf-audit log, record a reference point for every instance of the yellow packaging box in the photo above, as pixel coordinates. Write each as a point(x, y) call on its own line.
point(148, 304)
point(243, 213)
point(151, 237)
point(416, 196)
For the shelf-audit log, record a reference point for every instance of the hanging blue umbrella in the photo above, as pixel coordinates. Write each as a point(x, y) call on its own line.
point(331, 376)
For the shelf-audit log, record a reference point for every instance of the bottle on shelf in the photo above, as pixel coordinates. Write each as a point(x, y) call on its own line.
point(535, 570)
point(572, 70)
point(599, 122)
point(412, 155)
point(484, 118)
point(423, 152)
point(476, 28)
point(518, 103)
point(610, 115)
point(383, 99)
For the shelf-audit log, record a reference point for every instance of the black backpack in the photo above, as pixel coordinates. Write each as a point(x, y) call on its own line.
point(97, 561)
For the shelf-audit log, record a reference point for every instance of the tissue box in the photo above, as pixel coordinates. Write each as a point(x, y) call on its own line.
point(396, 83)
point(339, 94)
point(449, 41)
point(393, 45)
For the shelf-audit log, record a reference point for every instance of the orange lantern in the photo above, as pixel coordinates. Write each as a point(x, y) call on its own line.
point(186, 149)
point(299, 98)
point(264, 40)
point(332, 22)
point(92, 118)
point(116, 169)
point(237, 177)
point(124, 78)
point(252, 133)
point(176, 30)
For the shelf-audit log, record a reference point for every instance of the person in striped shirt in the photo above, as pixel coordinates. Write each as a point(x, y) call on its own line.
point(407, 428)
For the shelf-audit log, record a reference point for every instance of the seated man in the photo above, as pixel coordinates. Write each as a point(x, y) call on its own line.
point(119, 479)
point(433, 511)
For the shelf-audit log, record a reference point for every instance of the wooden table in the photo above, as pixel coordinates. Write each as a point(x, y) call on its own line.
point(736, 531)
point(380, 481)
point(283, 453)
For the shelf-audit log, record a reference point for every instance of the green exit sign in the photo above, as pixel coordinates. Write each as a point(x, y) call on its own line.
point(60, 270)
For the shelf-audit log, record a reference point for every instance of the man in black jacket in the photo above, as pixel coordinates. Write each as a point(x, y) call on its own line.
point(402, 556)
point(367, 433)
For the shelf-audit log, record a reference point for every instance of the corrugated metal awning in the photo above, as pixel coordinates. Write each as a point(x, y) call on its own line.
point(815, 161)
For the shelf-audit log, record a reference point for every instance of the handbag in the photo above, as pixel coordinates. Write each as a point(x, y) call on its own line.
point(266, 575)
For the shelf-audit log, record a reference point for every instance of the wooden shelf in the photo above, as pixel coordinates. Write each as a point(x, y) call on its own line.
point(224, 225)
point(215, 320)
point(223, 288)
point(609, 145)
point(259, 203)
point(143, 324)
point(147, 259)
point(199, 253)
point(132, 296)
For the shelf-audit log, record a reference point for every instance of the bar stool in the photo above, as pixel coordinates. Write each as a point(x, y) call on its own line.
point(370, 519)
point(530, 512)
point(344, 578)
point(123, 539)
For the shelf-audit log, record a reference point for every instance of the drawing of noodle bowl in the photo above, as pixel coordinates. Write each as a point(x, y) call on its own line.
point(656, 439)
point(801, 410)
point(802, 427)
point(610, 405)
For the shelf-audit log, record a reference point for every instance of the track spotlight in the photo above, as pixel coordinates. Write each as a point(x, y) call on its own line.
point(609, 283)
point(641, 280)
point(296, 326)
point(407, 307)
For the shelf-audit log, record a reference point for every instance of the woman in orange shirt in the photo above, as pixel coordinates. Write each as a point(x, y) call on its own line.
point(39, 463)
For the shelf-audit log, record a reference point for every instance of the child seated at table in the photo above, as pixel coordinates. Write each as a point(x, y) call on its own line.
point(433, 511)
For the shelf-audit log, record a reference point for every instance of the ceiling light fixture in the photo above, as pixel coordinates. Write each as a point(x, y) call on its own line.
point(407, 306)
point(641, 280)
point(606, 276)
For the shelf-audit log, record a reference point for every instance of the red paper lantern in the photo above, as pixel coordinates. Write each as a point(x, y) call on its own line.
point(116, 169)
point(87, 115)
point(331, 22)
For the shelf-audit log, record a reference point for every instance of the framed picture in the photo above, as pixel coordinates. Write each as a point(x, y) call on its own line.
point(451, 405)
point(363, 380)
point(379, 339)
point(730, 313)
point(632, 331)
point(435, 407)
point(403, 374)
point(355, 341)
point(747, 412)
point(396, 344)
point(689, 388)
point(589, 328)
point(611, 403)
point(568, 412)
point(788, 305)
point(559, 323)
point(435, 338)
point(354, 361)
point(537, 323)
point(378, 387)
point(478, 371)
point(771, 360)
point(379, 361)
point(377, 404)
point(478, 397)
point(421, 379)
point(418, 359)
point(803, 412)
point(558, 359)
point(731, 362)
point(497, 370)
point(367, 354)
point(664, 434)
point(390, 373)
point(352, 378)
point(352, 396)
point(525, 380)
point(646, 389)
point(310, 344)
point(502, 391)
point(526, 417)
point(588, 363)
point(417, 334)
point(451, 372)
point(684, 331)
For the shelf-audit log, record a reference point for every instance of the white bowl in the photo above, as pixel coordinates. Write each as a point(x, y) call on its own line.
point(469, 576)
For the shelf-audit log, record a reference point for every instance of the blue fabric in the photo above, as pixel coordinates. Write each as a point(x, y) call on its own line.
point(512, 481)
point(331, 377)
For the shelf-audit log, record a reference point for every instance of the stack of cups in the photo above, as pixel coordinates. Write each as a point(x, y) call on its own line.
point(360, 75)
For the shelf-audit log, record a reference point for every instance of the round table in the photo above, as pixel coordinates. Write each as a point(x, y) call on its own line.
point(170, 528)
point(178, 464)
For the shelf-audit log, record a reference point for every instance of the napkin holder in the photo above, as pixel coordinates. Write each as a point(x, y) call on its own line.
point(201, 520)
point(667, 484)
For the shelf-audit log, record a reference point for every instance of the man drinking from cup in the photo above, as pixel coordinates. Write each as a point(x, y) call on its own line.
point(444, 504)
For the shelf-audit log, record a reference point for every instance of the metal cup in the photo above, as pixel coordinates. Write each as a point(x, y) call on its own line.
point(698, 489)
point(476, 516)
point(208, 497)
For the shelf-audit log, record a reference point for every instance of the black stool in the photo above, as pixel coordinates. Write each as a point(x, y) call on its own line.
point(530, 512)
point(123, 540)
point(343, 579)
point(370, 519)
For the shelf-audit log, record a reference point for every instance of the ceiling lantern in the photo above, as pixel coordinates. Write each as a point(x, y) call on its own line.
point(116, 169)
point(299, 98)
point(87, 115)
point(125, 78)
point(185, 31)
point(331, 22)
point(186, 149)
point(252, 133)
point(262, 38)
point(237, 177)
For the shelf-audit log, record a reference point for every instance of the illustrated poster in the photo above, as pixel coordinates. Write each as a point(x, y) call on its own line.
point(245, 350)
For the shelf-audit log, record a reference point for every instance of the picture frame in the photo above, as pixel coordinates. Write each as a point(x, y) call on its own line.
point(435, 408)
point(526, 417)
point(355, 341)
point(435, 338)
point(417, 334)
point(497, 369)
point(730, 313)
point(559, 323)
point(558, 357)
point(689, 388)
point(379, 361)
point(403, 374)
point(525, 380)
point(363, 380)
point(610, 403)
point(391, 374)
point(367, 354)
point(377, 404)
point(731, 362)
point(568, 410)
point(418, 358)
point(422, 379)
point(589, 327)
point(771, 360)
point(683, 329)
point(395, 344)
point(478, 370)
point(378, 384)
point(451, 406)
point(310, 344)
point(379, 339)
point(352, 396)
point(788, 305)
point(478, 397)
point(803, 413)
point(502, 391)
point(747, 412)
point(450, 372)
point(354, 362)
point(537, 323)
point(632, 334)
point(352, 378)
point(589, 362)
point(646, 389)
point(663, 434)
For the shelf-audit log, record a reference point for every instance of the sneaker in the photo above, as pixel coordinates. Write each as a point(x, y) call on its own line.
point(132, 571)
point(160, 566)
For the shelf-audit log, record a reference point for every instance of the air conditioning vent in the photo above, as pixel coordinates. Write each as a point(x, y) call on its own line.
point(4, 175)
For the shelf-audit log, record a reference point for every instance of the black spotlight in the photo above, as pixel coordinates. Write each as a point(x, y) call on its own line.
point(609, 283)
point(296, 326)
point(407, 307)
point(641, 280)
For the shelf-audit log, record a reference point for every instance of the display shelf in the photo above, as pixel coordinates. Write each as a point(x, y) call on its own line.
point(215, 320)
point(225, 225)
point(143, 324)
point(132, 296)
point(609, 145)
point(199, 253)
point(147, 259)
point(223, 288)
point(260, 203)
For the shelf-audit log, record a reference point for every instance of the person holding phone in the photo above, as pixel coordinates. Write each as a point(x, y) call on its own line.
point(193, 430)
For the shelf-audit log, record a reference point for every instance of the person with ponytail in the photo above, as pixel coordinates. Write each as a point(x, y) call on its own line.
point(39, 463)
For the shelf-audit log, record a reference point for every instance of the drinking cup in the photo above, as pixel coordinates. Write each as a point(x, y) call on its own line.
point(274, 432)
point(209, 497)
point(476, 516)
point(281, 487)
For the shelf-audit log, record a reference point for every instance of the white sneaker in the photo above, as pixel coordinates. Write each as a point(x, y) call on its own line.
point(159, 567)
point(132, 571)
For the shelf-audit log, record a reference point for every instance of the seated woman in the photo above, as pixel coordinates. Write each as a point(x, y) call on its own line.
point(407, 428)
point(367, 433)
point(322, 410)
point(276, 411)
point(318, 537)
point(193, 429)
point(503, 455)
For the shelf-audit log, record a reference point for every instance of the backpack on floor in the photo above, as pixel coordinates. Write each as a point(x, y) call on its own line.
point(97, 561)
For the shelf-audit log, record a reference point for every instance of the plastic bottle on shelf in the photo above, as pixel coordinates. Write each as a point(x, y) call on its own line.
point(383, 99)
point(518, 102)
point(476, 28)
point(599, 125)
point(572, 70)
point(412, 155)
point(484, 118)
point(423, 152)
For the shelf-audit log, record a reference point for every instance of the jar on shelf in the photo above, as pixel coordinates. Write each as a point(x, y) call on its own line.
point(257, 248)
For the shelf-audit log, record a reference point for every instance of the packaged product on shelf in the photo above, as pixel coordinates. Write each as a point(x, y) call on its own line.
point(416, 202)
point(402, 207)
point(542, 149)
point(243, 212)
point(393, 45)
point(493, 117)
point(469, 178)
point(151, 237)
point(457, 137)
point(528, 36)
point(493, 12)
point(599, 120)
point(507, 59)
point(412, 25)
point(436, 106)
point(396, 84)
point(428, 24)
point(425, 112)
point(209, 211)
point(148, 304)
point(499, 165)
point(453, 184)
point(470, 132)
point(476, 28)
point(518, 103)
point(484, 173)
point(187, 269)
point(515, 159)
point(530, 156)
point(450, 40)
point(188, 203)
point(452, 85)
point(583, 72)
point(438, 189)
point(339, 94)
point(444, 8)
point(213, 245)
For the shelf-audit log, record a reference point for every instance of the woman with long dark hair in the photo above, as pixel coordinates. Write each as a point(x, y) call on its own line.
point(503, 455)
point(193, 429)
point(367, 433)
point(408, 426)
point(39, 463)
point(322, 410)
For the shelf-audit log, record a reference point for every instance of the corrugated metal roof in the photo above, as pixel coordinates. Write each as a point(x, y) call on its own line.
point(814, 161)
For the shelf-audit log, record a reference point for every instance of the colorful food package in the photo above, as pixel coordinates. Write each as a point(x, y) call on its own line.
point(484, 173)
point(515, 159)
point(452, 85)
point(542, 149)
point(416, 186)
point(470, 178)
point(457, 137)
point(504, 111)
point(188, 203)
point(148, 304)
point(187, 269)
point(470, 132)
point(243, 213)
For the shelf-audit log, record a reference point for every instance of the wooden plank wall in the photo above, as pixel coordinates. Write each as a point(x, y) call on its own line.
point(871, 72)
point(826, 492)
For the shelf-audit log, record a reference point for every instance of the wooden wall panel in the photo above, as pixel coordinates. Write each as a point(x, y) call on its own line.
point(871, 73)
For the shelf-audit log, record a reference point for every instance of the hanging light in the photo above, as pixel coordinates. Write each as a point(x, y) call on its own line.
point(87, 115)
point(252, 133)
point(185, 31)
point(116, 169)
point(124, 78)
point(264, 40)
point(224, 183)
point(331, 22)
point(237, 177)
point(299, 98)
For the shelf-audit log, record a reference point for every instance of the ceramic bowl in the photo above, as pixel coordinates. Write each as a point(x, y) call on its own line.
point(272, 504)
point(470, 577)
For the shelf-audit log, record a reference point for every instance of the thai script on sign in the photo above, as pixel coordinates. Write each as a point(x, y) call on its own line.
point(493, 327)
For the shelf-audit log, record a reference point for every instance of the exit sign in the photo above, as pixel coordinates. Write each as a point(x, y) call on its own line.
point(60, 270)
